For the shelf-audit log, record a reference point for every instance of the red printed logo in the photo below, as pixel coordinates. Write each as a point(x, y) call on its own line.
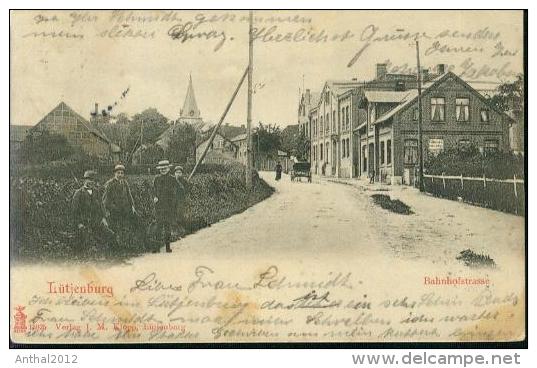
point(20, 319)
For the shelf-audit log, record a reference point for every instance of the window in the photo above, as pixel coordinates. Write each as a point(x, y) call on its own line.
point(415, 114)
point(436, 145)
point(327, 151)
point(334, 120)
point(382, 156)
point(389, 151)
point(491, 146)
point(438, 105)
point(347, 118)
point(327, 122)
point(348, 147)
point(464, 143)
point(343, 149)
point(411, 152)
point(462, 109)
point(321, 126)
point(484, 116)
point(321, 151)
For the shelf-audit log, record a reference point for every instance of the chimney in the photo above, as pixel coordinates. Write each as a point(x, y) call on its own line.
point(425, 75)
point(440, 69)
point(382, 70)
point(96, 109)
point(242, 126)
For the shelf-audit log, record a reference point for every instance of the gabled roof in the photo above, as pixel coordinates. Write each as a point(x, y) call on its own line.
point(386, 96)
point(64, 108)
point(17, 133)
point(410, 97)
point(341, 86)
point(413, 95)
point(314, 98)
point(190, 107)
point(239, 137)
point(219, 134)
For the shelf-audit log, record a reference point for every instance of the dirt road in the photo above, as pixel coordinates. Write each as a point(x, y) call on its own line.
point(324, 218)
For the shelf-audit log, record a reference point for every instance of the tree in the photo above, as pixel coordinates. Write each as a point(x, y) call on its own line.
point(154, 124)
point(509, 96)
point(181, 148)
point(267, 140)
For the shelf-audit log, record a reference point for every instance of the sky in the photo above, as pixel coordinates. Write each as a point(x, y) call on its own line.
point(86, 57)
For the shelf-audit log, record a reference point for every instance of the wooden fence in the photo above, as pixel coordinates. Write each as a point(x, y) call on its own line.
point(506, 195)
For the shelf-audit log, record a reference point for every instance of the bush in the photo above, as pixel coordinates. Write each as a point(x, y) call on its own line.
point(471, 163)
point(395, 206)
point(41, 209)
point(44, 147)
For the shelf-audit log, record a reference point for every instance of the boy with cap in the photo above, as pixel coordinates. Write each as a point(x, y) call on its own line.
point(119, 205)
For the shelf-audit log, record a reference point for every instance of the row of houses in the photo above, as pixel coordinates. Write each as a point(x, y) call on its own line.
point(370, 128)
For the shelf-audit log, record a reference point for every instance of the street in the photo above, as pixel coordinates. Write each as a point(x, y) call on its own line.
point(313, 221)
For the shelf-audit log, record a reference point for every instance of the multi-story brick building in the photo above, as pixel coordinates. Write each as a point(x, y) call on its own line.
point(370, 128)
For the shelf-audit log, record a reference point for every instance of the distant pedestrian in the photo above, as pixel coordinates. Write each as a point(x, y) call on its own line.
point(88, 214)
point(372, 177)
point(165, 189)
point(119, 206)
point(278, 171)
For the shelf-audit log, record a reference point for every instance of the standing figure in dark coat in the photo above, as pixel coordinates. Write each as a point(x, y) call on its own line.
point(183, 189)
point(88, 214)
point(165, 189)
point(119, 206)
point(278, 171)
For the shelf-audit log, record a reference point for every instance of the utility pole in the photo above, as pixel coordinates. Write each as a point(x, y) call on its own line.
point(249, 112)
point(213, 134)
point(420, 122)
point(141, 139)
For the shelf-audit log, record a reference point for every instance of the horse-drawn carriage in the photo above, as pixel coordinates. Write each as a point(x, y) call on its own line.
point(301, 170)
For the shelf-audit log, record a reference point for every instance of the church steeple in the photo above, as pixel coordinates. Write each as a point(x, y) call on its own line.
point(190, 107)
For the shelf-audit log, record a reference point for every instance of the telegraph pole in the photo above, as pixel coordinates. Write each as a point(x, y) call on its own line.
point(249, 113)
point(420, 122)
point(141, 139)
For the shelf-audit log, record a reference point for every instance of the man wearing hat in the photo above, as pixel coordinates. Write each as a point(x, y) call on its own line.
point(88, 214)
point(118, 203)
point(165, 189)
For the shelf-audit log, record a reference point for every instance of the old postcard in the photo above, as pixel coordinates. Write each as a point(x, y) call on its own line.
point(267, 176)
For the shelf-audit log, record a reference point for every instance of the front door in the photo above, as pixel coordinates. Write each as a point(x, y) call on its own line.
point(371, 159)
